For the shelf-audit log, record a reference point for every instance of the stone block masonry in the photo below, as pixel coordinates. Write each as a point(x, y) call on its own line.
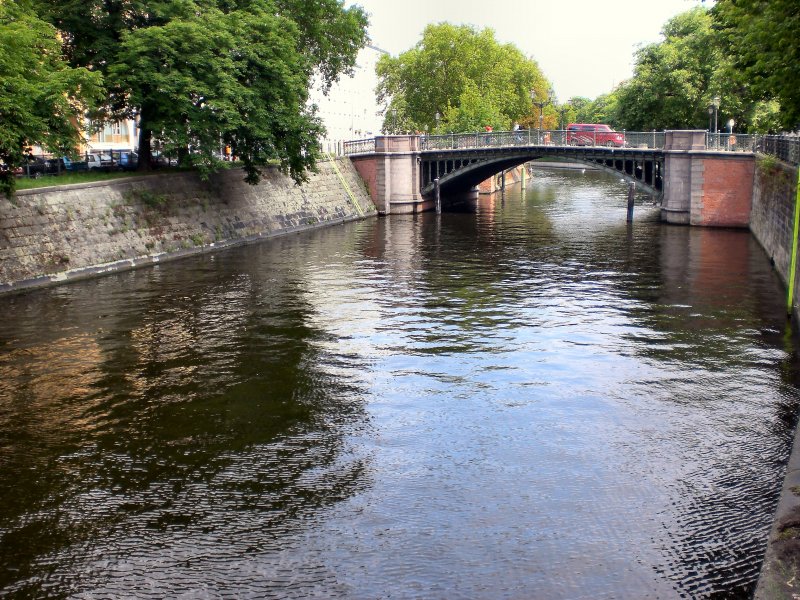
point(55, 234)
point(772, 216)
point(772, 223)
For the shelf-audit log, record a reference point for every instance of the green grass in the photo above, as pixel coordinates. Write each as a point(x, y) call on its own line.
point(25, 183)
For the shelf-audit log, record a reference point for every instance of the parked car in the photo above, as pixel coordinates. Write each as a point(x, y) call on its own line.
point(74, 165)
point(158, 159)
point(99, 161)
point(38, 166)
point(593, 134)
point(128, 161)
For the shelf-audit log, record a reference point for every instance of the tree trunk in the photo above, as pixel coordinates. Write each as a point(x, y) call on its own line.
point(145, 139)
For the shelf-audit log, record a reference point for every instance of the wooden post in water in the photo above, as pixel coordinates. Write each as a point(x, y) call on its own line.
point(438, 196)
point(631, 191)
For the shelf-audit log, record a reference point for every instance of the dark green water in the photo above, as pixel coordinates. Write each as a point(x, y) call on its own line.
point(530, 401)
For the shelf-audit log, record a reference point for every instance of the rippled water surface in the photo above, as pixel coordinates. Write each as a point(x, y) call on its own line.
point(532, 400)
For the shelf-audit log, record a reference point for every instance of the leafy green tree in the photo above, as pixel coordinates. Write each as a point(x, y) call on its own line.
point(447, 66)
point(602, 109)
point(473, 112)
point(761, 38)
point(202, 73)
point(41, 98)
point(672, 83)
point(578, 110)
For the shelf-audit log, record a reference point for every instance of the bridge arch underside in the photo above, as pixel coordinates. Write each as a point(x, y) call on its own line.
point(460, 174)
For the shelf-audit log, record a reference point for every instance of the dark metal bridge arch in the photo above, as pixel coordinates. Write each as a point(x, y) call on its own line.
point(459, 170)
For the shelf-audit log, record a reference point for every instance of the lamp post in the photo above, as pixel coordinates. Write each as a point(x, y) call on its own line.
point(437, 116)
point(710, 116)
point(540, 105)
point(716, 113)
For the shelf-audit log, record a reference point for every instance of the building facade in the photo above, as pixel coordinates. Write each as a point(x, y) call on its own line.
point(350, 109)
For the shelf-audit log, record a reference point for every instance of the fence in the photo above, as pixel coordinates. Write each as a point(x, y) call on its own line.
point(785, 147)
point(364, 146)
point(105, 160)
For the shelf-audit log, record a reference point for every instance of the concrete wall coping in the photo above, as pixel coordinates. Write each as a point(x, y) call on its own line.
point(134, 178)
point(89, 184)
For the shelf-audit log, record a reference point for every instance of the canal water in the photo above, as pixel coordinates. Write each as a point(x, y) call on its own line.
point(527, 400)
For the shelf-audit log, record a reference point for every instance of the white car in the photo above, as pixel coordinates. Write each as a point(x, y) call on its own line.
point(98, 161)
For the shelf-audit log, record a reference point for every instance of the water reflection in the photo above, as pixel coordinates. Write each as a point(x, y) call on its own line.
point(530, 400)
point(181, 414)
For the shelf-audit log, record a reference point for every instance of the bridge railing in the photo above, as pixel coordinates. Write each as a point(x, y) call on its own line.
point(645, 139)
point(732, 142)
point(364, 146)
point(536, 137)
point(785, 147)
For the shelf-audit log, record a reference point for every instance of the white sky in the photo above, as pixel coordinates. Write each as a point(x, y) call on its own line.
point(584, 47)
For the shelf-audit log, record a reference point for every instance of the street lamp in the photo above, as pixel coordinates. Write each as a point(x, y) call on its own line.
point(437, 116)
point(563, 112)
point(716, 112)
point(540, 105)
point(394, 121)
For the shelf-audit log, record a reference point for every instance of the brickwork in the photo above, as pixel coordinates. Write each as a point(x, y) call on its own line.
point(60, 233)
point(722, 191)
point(368, 169)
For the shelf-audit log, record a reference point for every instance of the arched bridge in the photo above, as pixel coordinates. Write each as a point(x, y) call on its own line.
point(461, 162)
point(402, 171)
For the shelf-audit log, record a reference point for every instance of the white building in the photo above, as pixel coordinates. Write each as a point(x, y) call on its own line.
point(350, 110)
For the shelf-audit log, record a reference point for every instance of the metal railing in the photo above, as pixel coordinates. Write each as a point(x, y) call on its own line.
point(536, 137)
point(732, 142)
point(784, 147)
point(364, 146)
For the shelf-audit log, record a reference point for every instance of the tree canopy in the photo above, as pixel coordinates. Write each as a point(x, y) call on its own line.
point(764, 49)
point(671, 85)
point(707, 57)
point(464, 75)
point(199, 74)
point(41, 98)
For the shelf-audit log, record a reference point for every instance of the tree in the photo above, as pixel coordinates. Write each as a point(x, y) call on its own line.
point(761, 37)
point(202, 73)
point(473, 112)
point(673, 80)
point(602, 109)
point(41, 98)
point(454, 64)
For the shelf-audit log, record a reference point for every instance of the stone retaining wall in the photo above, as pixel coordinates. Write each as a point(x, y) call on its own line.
point(54, 234)
point(772, 214)
point(772, 223)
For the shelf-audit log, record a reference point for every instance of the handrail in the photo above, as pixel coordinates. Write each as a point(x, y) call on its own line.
point(785, 147)
point(364, 146)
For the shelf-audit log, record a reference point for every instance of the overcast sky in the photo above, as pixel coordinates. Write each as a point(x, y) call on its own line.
point(584, 47)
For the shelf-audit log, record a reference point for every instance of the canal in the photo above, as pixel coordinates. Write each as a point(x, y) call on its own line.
point(530, 400)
